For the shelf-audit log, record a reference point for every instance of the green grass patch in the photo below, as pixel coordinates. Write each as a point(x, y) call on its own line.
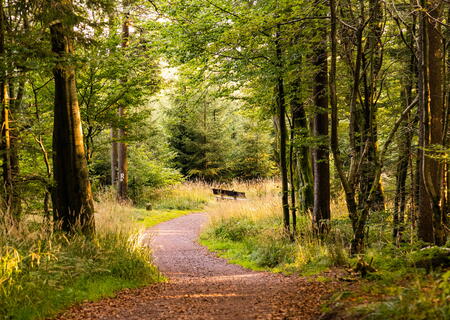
point(235, 252)
point(260, 245)
point(84, 289)
point(42, 277)
point(251, 244)
point(410, 282)
point(154, 217)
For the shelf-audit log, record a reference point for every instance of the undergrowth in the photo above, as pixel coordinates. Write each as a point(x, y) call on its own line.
point(42, 272)
point(250, 233)
point(186, 196)
point(410, 281)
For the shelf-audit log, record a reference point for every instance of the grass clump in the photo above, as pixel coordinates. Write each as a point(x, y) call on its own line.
point(151, 218)
point(424, 298)
point(183, 196)
point(250, 233)
point(42, 272)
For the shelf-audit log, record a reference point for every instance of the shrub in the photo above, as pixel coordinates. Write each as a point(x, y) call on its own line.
point(235, 229)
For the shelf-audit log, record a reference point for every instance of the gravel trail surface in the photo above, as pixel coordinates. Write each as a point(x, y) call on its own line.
point(203, 286)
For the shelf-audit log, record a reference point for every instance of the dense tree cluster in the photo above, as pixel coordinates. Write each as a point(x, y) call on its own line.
point(378, 69)
point(337, 97)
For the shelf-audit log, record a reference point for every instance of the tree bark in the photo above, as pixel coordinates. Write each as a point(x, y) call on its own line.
point(114, 156)
point(431, 215)
point(404, 148)
point(434, 119)
point(122, 179)
point(281, 108)
point(303, 157)
point(10, 164)
point(425, 215)
point(73, 207)
point(372, 60)
point(321, 166)
point(292, 177)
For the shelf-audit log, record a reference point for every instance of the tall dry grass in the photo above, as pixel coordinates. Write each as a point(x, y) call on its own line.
point(257, 223)
point(42, 271)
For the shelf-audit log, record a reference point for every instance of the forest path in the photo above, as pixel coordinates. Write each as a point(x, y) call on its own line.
point(203, 286)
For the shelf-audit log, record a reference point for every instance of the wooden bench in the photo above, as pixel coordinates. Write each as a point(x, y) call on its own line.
point(228, 194)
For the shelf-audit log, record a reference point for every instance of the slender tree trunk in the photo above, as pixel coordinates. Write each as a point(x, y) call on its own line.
point(113, 133)
point(303, 167)
point(303, 156)
point(73, 207)
point(404, 149)
point(321, 165)
point(114, 156)
point(446, 183)
point(15, 105)
point(6, 150)
point(425, 217)
point(372, 60)
point(122, 187)
point(281, 108)
point(292, 177)
point(401, 175)
point(347, 182)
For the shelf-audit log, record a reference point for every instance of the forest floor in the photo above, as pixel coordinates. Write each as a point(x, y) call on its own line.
point(202, 286)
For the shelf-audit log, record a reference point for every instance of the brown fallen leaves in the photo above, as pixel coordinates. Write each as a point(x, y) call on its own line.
point(203, 286)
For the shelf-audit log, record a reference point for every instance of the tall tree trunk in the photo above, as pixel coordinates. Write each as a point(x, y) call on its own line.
point(431, 216)
point(15, 105)
point(321, 165)
point(281, 108)
point(73, 207)
point(292, 177)
point(303, 156)
point(122, 184)
point(302, 165)
point(446, 183)
point(372, 60)
point(6, 150)
point(425, 217)
point(401, 175)
point(404, 147)
point(113, 133)
point(347, 181)
point(434, 118)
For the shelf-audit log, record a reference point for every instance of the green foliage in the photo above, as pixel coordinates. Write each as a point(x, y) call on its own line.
point(260, 245)
point(199, 134)
point(147, 173)
point(235, 229)
point(421, 301)
point(212, 138)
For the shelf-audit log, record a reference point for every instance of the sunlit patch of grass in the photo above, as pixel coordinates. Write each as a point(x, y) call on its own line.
point(151, 218)
point(250, 233)
point(183, 196)
point(42, 272)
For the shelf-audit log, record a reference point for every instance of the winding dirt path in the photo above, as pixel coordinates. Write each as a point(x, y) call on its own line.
point(202, 286)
